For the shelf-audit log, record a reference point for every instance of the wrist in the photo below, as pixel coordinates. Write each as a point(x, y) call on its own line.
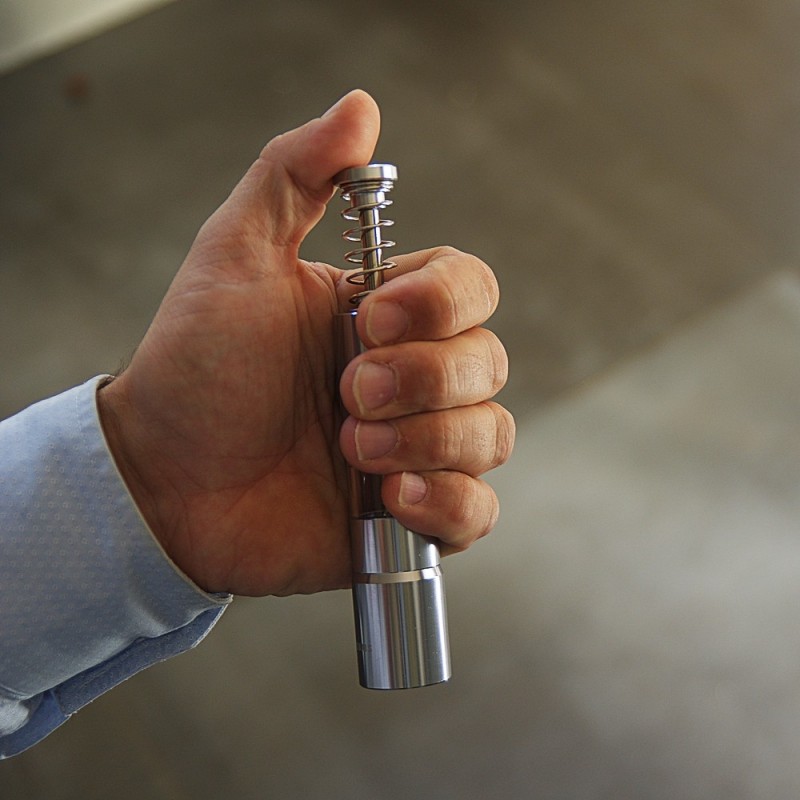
point(137, 464)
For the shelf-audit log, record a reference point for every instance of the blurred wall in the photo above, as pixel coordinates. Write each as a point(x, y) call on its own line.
point(31, 28)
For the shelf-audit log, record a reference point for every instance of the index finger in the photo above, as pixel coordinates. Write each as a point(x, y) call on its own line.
point(430, 295)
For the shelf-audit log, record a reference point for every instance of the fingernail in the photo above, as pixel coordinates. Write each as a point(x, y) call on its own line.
point(374, 385)
point(374, 439)
point(413, 489)
point(386, 322)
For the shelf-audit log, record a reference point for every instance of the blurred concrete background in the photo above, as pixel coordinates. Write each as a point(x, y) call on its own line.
point(632, 172)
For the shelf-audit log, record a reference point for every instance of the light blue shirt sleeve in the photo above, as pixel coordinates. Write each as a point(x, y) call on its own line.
point(87, 595)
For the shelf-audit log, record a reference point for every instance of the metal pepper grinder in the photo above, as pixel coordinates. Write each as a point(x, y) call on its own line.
point(398, 588)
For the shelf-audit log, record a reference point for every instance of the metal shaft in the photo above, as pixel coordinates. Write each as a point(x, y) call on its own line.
point(398, 588)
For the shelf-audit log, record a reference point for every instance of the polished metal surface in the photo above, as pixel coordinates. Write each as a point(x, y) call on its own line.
point(400, 615)
point(380, 545)
point(354, 178)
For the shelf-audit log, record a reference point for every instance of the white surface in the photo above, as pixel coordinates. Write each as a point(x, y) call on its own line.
point(32, 28)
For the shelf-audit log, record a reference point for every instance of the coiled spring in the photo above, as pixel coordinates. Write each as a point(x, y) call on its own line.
point(365, 189)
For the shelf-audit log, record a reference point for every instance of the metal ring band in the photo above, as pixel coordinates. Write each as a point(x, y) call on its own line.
point(427, 574)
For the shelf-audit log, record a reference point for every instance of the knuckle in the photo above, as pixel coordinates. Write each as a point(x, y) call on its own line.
point(474, 512)
point(492, 437)
point(445, 251)
point(493, 514)
point(505, 434)
point(484, 292)
point(499, 363)
point(461, 512)
point(459, 372)
point(489, 285)
point(486, 366)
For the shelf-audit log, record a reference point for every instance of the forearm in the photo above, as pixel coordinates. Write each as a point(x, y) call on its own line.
point(87, 594)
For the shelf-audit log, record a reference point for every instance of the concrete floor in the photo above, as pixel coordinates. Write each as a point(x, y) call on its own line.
point(632, 172)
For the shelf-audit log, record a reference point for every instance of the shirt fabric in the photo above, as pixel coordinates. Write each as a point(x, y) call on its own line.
point(88, 596)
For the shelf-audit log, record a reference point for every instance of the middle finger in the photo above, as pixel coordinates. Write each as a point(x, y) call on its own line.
point(407, 378)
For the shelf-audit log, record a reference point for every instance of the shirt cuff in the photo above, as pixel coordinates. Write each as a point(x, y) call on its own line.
point(89, 597)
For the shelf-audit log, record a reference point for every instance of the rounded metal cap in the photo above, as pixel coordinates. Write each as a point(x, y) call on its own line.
point(370, 172)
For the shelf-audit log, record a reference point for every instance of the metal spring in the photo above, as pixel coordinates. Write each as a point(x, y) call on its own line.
point(367, 198)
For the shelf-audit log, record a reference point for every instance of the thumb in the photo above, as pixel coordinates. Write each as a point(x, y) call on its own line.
point(285, 192)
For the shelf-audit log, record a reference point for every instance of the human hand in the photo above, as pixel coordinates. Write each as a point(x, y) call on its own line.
point(223, 426)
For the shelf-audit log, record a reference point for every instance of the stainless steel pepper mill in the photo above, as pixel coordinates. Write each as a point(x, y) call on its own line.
point(398, 588)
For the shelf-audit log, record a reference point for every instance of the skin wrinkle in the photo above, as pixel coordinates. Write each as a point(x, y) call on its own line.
point(282, 562)
point(225, 253)
point(438, 394)
point(286, 216)
point(478, 442)
point(302, 375)
point(471, 373)
point(323, 278)
point(488, 284)
point(451, 443)
point(175, 436)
